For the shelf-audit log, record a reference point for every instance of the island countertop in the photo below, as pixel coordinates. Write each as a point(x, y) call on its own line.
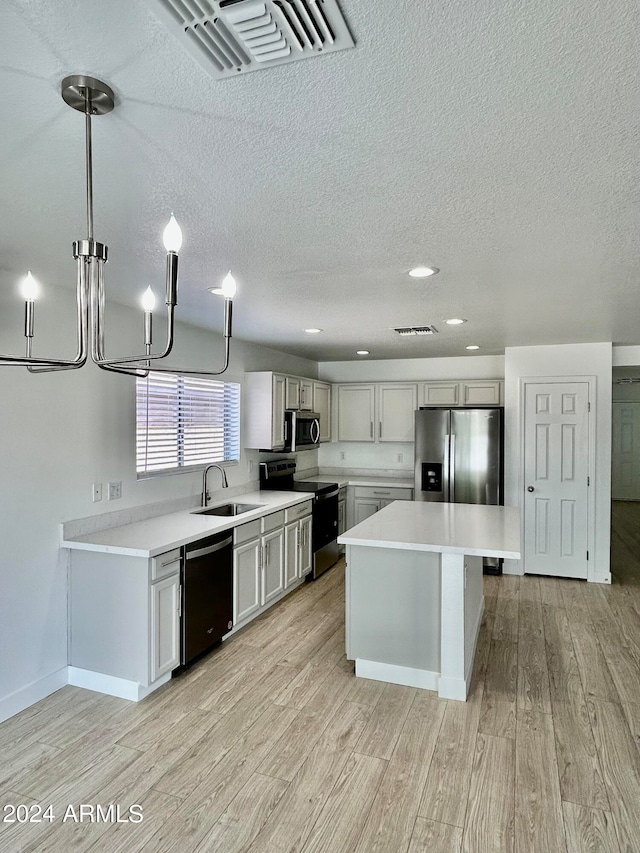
point(453, 528)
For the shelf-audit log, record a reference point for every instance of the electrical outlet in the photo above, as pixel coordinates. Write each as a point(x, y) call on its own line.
point(114, 491)
point(96, 492)
point(342, 455)
point(400, 457)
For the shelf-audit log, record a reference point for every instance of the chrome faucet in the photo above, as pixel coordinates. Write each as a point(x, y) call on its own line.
point(205, 493)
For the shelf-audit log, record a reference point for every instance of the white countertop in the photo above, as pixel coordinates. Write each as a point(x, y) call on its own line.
point(483, 531)
point(154, 536)
point(401, 482)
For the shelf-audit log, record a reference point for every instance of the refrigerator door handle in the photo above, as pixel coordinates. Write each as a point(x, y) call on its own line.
point(452, 467)
point(445, 479)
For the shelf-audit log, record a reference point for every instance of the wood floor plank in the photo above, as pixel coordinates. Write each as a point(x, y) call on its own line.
point(342, 820)
point(533, 676)
point(580, 774)
point(589, 830)
point(498, 713)
point(295, 815)
point(245, 816)
point(489, 823)
point(432, 837)
point(620, 768)
point(392, 817)
point(538, 807)
point(387, 720)
point(632, 714)
point(594, 672)
point(625, 672)
point(444, 799)
point(196, 765)
point(198, 812)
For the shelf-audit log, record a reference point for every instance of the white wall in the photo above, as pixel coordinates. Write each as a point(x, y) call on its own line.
point(389, 458)
point(565, 360)
point(61, 432)
point(413, 369)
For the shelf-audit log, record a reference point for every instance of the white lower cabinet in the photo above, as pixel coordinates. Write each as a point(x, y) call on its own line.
point(367, 500)
point(272, 565)
point(165, 626)
point(246, 580)
point(269, 555)
point(124, 614)
point(298, 550)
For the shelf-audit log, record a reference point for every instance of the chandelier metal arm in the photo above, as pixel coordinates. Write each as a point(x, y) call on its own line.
point(35, 364)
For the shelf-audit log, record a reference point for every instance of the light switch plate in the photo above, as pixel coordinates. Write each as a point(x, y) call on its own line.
point(96, 492)
point(115, 491)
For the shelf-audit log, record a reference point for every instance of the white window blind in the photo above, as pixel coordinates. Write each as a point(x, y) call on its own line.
point(184, 422)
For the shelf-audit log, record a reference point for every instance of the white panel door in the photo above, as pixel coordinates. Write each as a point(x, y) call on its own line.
point(556, 470)
point(625, 452)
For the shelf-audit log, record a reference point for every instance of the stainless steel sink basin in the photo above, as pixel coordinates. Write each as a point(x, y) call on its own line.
point(226, 509)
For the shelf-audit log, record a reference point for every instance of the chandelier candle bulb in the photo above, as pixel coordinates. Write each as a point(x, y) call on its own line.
point(148, 303)
point(29, 292)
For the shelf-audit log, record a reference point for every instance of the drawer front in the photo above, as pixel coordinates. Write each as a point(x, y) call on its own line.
point(299, 511)
point(272, 521)
point(383, 493)
point(165, 564)
point(246, 532)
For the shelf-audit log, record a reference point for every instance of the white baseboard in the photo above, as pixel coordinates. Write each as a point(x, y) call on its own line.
point(395, 674)
point(453, 688)
point(112, 686)
point(32, 693)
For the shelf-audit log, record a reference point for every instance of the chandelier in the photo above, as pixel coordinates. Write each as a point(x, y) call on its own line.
point(93, 97)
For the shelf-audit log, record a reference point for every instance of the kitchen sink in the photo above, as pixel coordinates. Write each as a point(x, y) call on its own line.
point(226, 509)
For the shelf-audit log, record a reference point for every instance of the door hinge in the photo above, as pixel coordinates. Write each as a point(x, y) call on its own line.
point(588, 481)
point(588, 407)
point(587, 555)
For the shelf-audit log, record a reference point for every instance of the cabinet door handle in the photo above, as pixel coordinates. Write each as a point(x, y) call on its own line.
point(371, 430)
point(179, 608)
point(380, 429)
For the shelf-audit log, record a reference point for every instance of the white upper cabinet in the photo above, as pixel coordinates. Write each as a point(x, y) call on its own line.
point(264, 411)
point(464, 392)
point(306, 395)
point(356, 412)
point(440, 394)
point(322, 407)
point(396, 412)
point(376, 412)
point(482, 392)
point(292, 393)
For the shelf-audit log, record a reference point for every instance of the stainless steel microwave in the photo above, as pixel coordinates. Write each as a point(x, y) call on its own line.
point(301, 431)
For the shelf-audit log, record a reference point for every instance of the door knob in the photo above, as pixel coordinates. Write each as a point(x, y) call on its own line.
point(529, 488)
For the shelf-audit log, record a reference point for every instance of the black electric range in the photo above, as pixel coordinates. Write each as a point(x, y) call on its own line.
point(278, 475)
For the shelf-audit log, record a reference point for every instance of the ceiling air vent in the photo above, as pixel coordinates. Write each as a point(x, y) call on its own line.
point(230, 37)
point(405, 331)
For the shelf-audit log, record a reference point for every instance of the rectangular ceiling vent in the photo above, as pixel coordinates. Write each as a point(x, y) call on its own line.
point(405, 331)
point(230, 37)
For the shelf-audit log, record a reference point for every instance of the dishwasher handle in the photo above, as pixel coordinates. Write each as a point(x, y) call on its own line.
point(203, 552)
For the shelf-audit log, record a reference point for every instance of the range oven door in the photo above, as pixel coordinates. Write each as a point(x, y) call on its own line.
point(325, 532)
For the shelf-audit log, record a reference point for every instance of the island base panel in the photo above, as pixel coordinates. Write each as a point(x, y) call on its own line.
point(393, 607)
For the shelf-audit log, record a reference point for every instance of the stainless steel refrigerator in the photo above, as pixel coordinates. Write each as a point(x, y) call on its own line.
point(459, 457)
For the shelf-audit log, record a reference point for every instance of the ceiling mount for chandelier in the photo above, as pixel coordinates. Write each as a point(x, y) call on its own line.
point(92, 97)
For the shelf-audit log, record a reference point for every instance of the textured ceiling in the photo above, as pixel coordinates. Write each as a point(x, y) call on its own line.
point(499, 142)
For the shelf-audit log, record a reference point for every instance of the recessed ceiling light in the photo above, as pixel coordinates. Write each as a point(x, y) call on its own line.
point(455, 321)
point(473, 346)
point(423, 272)
point(362, 352)
point(312, 331)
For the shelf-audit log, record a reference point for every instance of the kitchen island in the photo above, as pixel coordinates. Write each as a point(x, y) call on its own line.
point(414, 599)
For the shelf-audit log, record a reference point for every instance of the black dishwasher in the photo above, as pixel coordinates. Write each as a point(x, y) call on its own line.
point(207, 594)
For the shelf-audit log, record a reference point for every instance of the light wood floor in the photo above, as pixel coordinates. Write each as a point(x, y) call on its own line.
point(271, 745)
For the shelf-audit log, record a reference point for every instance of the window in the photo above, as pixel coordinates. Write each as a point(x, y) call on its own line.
point(185, 422)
